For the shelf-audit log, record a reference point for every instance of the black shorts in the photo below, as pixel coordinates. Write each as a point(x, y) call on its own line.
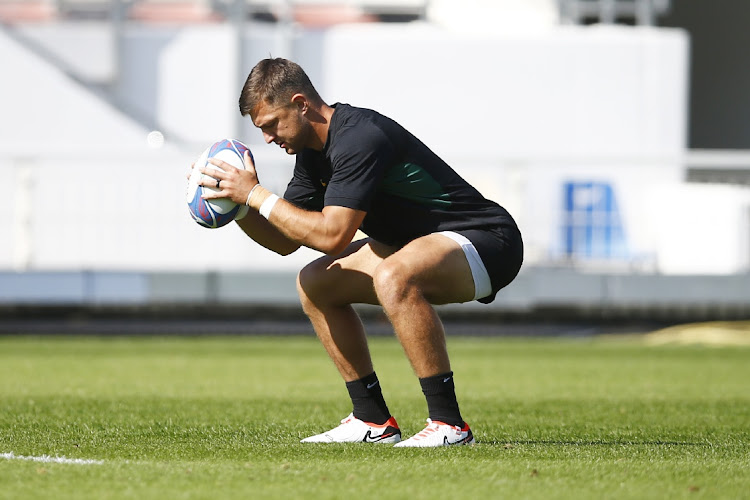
point(501, 251)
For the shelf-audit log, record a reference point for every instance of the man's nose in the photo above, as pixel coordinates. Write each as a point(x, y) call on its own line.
point(268, 137)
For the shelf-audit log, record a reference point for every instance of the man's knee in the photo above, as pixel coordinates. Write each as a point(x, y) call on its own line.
point(310, 282)
point(393, 282)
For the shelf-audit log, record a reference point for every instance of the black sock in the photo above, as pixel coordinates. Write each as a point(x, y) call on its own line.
point(367, 399)
point(441, 399)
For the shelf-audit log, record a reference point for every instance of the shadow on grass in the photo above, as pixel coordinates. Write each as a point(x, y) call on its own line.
point(598, 442)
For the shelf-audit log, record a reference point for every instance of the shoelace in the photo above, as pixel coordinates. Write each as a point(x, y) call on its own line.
point(429, 429)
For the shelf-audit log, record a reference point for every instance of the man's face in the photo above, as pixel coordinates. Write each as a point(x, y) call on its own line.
point(282, 125)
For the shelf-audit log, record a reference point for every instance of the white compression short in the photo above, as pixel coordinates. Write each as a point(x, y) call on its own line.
point(482, 284)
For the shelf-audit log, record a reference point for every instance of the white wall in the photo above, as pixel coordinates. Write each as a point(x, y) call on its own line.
point(570, 91)
point(43, 108)
point(702, 228)
point(133, 216)
point(516, 114)
point(520, 114)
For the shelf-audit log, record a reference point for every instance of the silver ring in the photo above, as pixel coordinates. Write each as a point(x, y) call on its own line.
point(217, 183)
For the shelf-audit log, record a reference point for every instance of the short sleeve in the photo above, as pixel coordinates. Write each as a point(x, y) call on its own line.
point(359, 160)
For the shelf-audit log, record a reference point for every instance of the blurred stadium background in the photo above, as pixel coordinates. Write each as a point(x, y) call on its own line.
point(615, 131)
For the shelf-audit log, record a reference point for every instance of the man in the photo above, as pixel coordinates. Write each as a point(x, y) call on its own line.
point(433, 239)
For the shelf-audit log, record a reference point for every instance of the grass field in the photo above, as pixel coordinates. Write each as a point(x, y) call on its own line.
point(222, 417)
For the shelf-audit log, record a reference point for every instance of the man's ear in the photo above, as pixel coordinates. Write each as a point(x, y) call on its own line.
point(301, 101)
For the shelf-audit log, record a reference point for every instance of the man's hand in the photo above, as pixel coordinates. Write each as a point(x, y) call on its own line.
point(233, 183)
point(329, 231)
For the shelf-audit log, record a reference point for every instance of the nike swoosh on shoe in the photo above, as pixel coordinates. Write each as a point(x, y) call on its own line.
point(369, 438)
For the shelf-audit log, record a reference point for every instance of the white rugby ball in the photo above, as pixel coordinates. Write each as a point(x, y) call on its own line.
point(220, 211)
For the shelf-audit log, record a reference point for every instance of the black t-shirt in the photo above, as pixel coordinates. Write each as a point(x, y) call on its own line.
point(371, 163)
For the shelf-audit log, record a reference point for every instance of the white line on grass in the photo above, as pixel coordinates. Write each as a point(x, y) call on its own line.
point(49, 459)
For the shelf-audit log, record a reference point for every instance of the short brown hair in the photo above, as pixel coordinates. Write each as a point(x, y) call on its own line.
point(275, 81)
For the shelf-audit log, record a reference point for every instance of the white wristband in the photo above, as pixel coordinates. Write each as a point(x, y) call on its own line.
point(247, 202)
point(267, 206)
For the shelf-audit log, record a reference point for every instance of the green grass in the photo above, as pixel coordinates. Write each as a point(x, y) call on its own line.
point(222, 417)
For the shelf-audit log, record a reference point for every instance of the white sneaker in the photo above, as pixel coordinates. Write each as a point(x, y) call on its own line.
point(354, 430)
point(439, 434)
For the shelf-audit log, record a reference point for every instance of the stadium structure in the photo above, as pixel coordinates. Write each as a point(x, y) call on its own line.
point(574, 114)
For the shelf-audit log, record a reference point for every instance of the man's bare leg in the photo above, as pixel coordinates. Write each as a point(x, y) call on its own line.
point(327, 288)
point(430, 270)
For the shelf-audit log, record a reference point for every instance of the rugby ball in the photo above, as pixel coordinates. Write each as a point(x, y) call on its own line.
point(217, 212)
